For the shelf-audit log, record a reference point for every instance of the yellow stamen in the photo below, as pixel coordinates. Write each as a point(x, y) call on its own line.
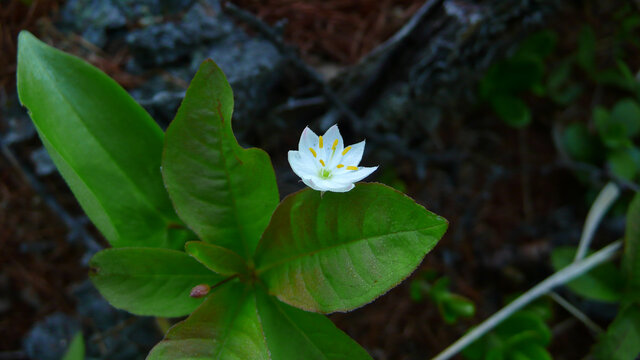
point(320, 142)
point(313, 152)
point(340, 166)
point(335, 143)
point(350, 167)
point(346, 150)
point(321, 162)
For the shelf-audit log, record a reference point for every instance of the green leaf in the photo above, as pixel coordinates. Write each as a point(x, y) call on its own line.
point(295, 334)
point(622, 339)
point(622, 164)
point(453, 306)
point(511, 77)
point(538, 45)
point(149, 281)
point(580, 143)
point(512, 110)
point(237, 322)
point(76, 348)
point(627, 112)
point(224, 327)
point(631, 255)
point(612, 133)
point(603, 283)
point(524, 327)
point(218, 259)
point(225, 193)
point(342, 250)
point(107, 148)
point(529, 351)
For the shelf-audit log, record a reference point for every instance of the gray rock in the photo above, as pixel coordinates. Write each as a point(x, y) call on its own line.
point(49, 339)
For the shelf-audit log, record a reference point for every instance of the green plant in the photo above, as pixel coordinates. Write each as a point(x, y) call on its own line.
point(451, 306)
point(76, 348)
point(207, 235)
point(505, 81)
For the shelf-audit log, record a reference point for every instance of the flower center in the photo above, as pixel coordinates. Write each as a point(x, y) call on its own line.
point(325, 174)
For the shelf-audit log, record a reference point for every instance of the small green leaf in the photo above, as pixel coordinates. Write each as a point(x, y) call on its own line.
point(581, 144)
point(453, 306)
point(339, 251)
point(622, 164)
point(622, 339)
point(512, 110)
point(524, 327)
point(511, 77)
point(149, 281)
point(627, 112)
point(76, 348)
point(295, 334)
point(218, 259)
point(612, 133)
point(603, 283)
point(529, 351)
point(631, 255)
point(539, 45)
point(224, 327)
point(107, 148)
point(224, 192)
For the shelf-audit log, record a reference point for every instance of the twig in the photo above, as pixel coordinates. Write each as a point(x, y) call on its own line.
point(561, 277)
point(603, 202)
point(576, 313)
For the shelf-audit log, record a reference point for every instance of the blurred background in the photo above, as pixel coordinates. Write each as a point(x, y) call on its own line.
point(498, 115)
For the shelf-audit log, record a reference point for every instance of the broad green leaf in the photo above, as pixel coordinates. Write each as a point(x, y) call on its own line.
point(580, 144)
point(627, 112)
point(224, 327)
point(622, 339)
point(631, 256)
point(292, 333)
point(603, 283)
point(225, 193)
point(339, 251)
point(76, 348)
point(149, 281)
point(512, 110)
point(219, 259)
point(107, 148)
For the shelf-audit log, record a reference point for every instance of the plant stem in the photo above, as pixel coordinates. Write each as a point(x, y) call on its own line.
point(568, 273)
point(576, 313)
point(605, 199)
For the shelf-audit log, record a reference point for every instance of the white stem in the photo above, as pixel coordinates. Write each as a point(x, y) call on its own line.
point(567, 274)
point(576, 313)
point(605, 199)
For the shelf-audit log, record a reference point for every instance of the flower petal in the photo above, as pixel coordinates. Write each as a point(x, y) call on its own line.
point(329, 138)
point(300, 165)
point(353, 155)
point(308, 139)
point(326, 185)
point(353, 176)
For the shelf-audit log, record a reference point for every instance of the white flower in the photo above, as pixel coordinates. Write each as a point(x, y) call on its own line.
point(324, 164)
